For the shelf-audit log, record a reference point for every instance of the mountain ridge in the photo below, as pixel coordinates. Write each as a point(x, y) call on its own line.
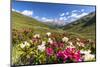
point(84, 26)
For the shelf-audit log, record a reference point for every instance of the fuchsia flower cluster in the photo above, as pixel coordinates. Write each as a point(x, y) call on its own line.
point(69, 54)
point(49, 51)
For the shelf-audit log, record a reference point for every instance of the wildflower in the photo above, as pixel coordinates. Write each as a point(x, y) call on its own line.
point(49, 51)
point(22, 45)
point(48, 33)
point(85, 52)
point(80, 44)
point(31, 41)
point(65, 39)
point(50, 40)
point(35, 40)
point(71, 46)
point(62, 56)
point(54, 44)
point(89, 40)
point(77, 39)
point(25, 44)
point(42, 46)
point(70, 43)
point(69, 53)
point(89, 57)
point(61, 45)
point(77, 56)
point(73, 54)
point(43, 43)
point(37, 36)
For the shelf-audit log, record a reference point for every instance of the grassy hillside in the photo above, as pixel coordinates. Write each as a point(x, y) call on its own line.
point(20, 21)
point(85, 26)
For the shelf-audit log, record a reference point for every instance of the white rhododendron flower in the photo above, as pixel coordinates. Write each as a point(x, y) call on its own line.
point(50, 40)
point(25, 44)
point(43, 43)
point(85, 51)
point(70, 43)
point(37, 36)
point(42, 46)
point(78, 39)
point(31, 41)
point(48, 33)
point(65, 39)
point(80, 44)
point(89, 40)
point(71, 46)
point(22, 45)
point(89, 57)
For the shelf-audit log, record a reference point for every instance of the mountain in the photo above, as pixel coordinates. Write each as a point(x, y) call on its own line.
point(86, 26)
point(55, 23)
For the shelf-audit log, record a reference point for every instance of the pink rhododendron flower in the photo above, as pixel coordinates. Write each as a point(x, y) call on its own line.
point(69, 53)
point(77, 57)
point(73, 54)
point(49, 51)
point(62, 56)
point(50, 40)
point(61, 45)
point(54, 44)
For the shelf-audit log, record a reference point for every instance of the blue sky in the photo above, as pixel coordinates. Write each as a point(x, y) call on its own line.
point(52, 12)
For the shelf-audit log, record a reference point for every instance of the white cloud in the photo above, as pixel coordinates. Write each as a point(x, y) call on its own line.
point(82, 10)
point(81, 15)
point(75, 16)
point(27, 12)
point(53, 21)
point(15, 10)
point(74, 11)
point(44, 19)
point(62, 14)
point(67, 13)
point(36, 17)
point(63, 18)
point(59, 22)
point(24, 12)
